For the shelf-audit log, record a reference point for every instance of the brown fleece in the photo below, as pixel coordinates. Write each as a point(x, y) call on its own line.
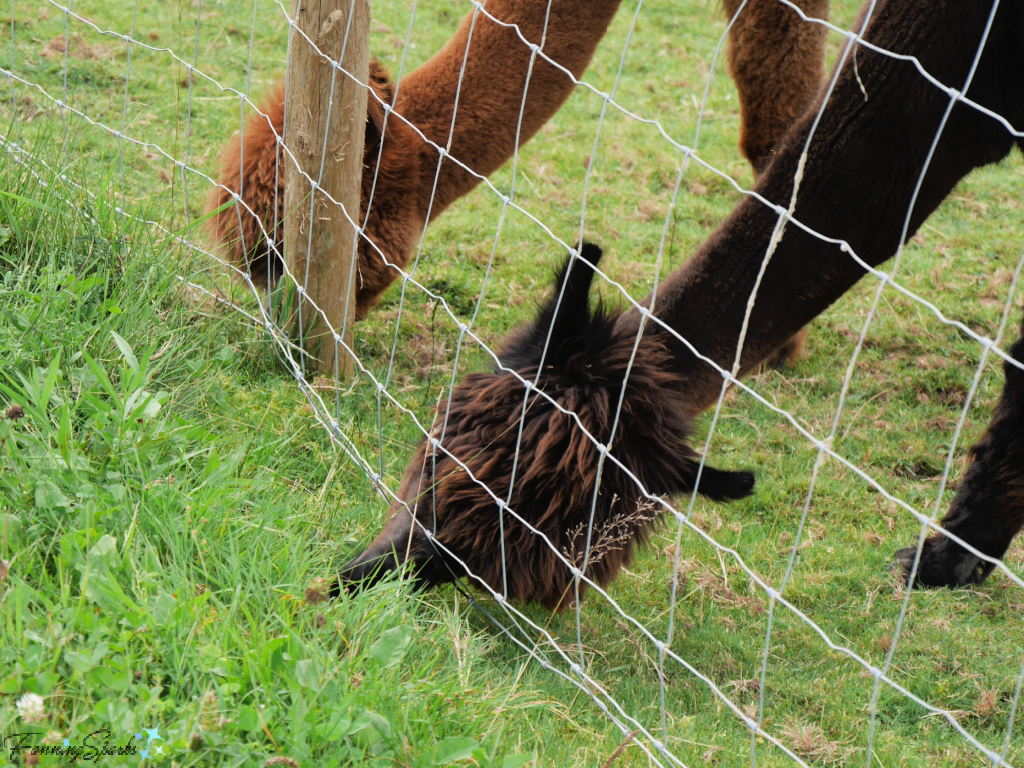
point(484, 136)
point(391, 226)
point(778, 63)
point(553, 485)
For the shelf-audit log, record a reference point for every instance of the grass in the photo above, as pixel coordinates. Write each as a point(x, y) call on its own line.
point(169, 494)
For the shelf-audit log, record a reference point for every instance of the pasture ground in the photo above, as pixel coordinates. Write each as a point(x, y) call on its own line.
point(159, 546)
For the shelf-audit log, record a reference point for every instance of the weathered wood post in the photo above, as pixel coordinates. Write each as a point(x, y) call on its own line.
point(325, 118)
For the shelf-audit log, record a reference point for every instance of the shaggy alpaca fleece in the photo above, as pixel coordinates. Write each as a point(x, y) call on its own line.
point(391, 226)
point(557, 469)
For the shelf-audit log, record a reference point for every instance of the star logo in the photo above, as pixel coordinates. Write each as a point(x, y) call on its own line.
point(152, 734)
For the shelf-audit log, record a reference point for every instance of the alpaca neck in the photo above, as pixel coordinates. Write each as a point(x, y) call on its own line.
point(491, 94)
point(858, 184)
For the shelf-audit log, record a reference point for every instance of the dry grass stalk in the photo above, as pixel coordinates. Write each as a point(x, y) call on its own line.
point(621, 748)
point(611, 537)
point(809, 741)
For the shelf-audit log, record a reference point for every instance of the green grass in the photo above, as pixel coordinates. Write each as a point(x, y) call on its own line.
point(169, 494)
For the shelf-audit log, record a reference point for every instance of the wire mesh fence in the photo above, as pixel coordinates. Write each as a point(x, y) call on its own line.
point(110, 118)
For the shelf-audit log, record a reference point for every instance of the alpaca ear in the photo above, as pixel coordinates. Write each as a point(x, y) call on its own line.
point(381, 90)
point(722, 485)
point(572, 284)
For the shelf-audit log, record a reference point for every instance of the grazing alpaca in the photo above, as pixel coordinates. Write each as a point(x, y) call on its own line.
point(553, 489)
point(405, 198)
point(988, 509)
point(392, 226)
point(858, 182)
point(789, 60)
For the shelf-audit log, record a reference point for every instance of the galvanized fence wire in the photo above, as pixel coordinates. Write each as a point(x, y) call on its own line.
point(524, 632)
point(376, 479)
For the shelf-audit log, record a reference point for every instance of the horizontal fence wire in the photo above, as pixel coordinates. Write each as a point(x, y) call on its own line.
point(520, 629)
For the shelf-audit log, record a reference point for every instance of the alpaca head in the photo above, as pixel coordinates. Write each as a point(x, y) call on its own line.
point(249, 166)
point(528, 449)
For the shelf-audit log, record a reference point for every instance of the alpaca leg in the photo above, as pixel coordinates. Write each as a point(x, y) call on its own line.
point(988, 509)
point(778, 63)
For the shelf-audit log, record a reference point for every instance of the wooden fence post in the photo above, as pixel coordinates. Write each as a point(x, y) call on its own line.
point(325, 119)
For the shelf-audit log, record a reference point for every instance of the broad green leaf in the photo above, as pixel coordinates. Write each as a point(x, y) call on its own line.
point(79, 661)
point(162, 608)
point(107, 545)
point(391, 646)
point(10, 527)
point(49, 496)
point(212, 464)
point(453, 749)
point(515, 761)
point(126, 351)
point(225, 355)
point(248, 720)
point(305, 673)
point(108, 678)
point(46, 682)
point(381, 724)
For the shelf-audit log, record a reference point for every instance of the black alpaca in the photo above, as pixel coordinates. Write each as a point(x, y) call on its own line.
point(988, 509)
point(583, 371)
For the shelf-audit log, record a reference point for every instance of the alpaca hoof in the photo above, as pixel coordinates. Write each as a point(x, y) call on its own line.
point(943, 564)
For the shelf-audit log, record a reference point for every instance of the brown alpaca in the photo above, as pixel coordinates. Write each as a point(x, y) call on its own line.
point(858, 182)
point(485, 129)
point(392, 228)
point(483, 138)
